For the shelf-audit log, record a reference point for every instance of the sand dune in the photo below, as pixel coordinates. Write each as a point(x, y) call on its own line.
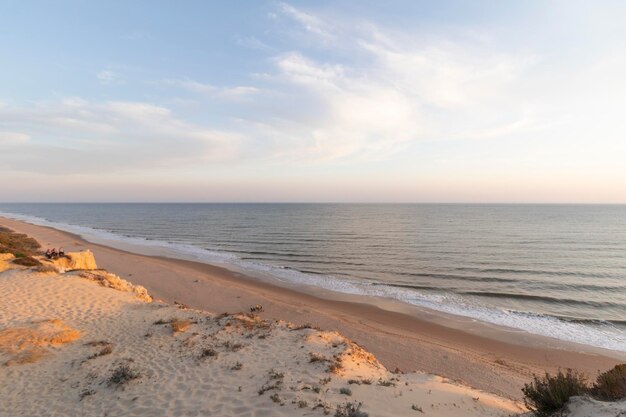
point(111, 352)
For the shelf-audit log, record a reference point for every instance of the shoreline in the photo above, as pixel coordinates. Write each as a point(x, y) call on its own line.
point(480, 355)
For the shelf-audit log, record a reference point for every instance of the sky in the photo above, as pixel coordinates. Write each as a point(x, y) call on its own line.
point(313, 101)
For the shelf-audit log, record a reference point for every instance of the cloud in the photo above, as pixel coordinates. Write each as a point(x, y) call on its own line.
point(109, 77)
point(80, 136)
point(12, 138)
point(209, 90)
point(254, 43)
point(375, 91)
point(310, 22)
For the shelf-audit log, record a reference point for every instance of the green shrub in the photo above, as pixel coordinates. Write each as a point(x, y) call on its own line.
point(611, 385)
point(545, 395)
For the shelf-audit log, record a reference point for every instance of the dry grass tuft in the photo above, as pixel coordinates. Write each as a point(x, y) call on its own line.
point(106, 348)
point(122, 375)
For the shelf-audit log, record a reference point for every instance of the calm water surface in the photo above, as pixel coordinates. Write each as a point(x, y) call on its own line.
point(557, 270)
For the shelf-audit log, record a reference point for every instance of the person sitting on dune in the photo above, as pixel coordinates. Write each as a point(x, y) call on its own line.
point(48, 253)
point(61, 252)
point(54, 253)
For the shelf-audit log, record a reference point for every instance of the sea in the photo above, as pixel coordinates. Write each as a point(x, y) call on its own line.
point(552, 270)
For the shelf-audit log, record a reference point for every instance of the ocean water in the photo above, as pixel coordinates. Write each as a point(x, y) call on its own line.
point(554, 270)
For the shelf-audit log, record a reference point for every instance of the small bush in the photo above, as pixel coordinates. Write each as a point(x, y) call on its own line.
point(122, 375)
point(548, 394)
point(208, 353)
point(345, 391)
point(316, 357)
point(386, 383)
point(350, 410)
point(237, 366)
point(611, 385)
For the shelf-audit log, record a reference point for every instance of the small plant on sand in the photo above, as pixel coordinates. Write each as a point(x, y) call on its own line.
point(276, 398)
point(548, 394)
point(335, 367)
point(233, 346)
point(345, 391)
point(316, 357)
point(350, 410)
point(415, 407)
point(86, 393)
point(275, 382)
point(386, 383)
point(104, 350)
point(611, 385)
point(208, 353)
point(305, 326)
point(325, 381)
point(237, 366)
point(122, 375)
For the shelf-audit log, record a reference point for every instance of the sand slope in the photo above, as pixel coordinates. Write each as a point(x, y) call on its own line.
point(129, 356)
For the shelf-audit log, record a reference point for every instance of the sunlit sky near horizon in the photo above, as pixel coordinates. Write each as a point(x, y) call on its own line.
point(396, 101)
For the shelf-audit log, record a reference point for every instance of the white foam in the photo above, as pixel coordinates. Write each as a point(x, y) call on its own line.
point(604, 336)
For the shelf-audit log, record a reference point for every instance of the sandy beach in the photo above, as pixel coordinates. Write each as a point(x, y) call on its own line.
point(492, 359)
point(88, 343)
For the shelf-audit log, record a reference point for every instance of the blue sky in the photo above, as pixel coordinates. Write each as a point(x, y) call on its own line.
point(447, 101)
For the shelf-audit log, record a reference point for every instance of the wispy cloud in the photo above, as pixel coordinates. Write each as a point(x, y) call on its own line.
point(114, 136)
point(108, 77)
point(310, 22)
point(211, 90)
point(402, 88)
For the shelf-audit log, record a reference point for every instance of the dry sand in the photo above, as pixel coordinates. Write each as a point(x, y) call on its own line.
point(92, 344)
point(484, 357)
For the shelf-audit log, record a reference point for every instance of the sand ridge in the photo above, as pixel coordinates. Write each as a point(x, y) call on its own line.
point(131, 356)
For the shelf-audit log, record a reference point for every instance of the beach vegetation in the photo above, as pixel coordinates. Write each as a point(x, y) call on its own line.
point(233, 346)
point(237, 366)
point(26, 260)
point(316, 357)
point(548, 394)
point(416, 407)
point(352, 409)
point(86, 393)
point(20, 245)
point(276, 398)
point(122, 375)
point(386, 383)
point(106, 348)
point(345, 391)
point(208, 353)
point(611, 385)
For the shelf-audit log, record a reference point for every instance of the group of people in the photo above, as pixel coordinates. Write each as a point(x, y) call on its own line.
point(52, 253)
